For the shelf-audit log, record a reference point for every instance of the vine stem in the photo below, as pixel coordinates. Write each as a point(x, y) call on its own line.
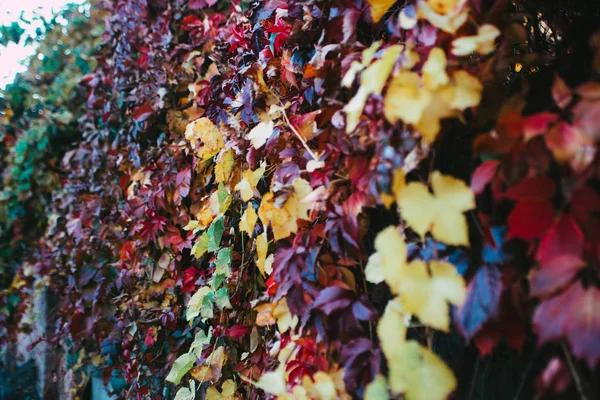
point(293, 128)
point(574, 373)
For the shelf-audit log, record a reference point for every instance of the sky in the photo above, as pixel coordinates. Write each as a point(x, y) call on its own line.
point(12, 57)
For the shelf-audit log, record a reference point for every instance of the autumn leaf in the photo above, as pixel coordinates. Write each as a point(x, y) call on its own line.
point(224, 166)
point(247, 184)
point(390, 257)
point(440, 212)
point(379, 8)
point(261, 133)
point(180, 367)
point(418, 373)
point(185, 393)
point(211, 370)
point(196, 302)
point(248, 220)
point(373, 79)
point(377, 389)
point(283, 220)
point(425, 291)
point(228, 391)
point(204, 138)
point(482, 43)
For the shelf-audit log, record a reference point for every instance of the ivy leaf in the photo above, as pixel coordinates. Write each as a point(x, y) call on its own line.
point(214, 234)
point(247, 185)
point(223, 262)
point(180, 367)
point(222, 298)
point(418, 373)
point(248, 220)
point(440, 213)
point(185, 393)
point(426, 291)
point(196, 303)
point(377, 389)
point(201, 246)
point(204, 138)
point(223, 166)
point(373, 79)
point(481, 302)
point(228, 391)
point(379, 8)
point(389, 258)
point(261, 133)
point(283, 220)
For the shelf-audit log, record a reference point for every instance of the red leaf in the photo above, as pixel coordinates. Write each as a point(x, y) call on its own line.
point(237, 331)
point(563, 238)
point(530, 219)
point(481, 303)
point(483, 175)
point(142, 113)
point(535, 188)
point(538, 124)
point(575, 315)
point(554, 274)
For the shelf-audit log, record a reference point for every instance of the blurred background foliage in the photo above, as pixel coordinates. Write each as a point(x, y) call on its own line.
point(38, 123)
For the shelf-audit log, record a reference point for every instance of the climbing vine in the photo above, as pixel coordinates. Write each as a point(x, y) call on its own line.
point(298, 199)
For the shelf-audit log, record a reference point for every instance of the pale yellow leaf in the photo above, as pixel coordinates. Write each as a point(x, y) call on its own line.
point(379, 8)
point(419, 373)
point(261, 133)
point(373, 79)
point(248, 220)
point(377, 389)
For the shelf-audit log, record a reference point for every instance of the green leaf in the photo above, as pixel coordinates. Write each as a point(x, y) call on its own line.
point(200, 340)
point(181, 366)
point(223, 263)
point(185, 393)
point(201, 246)
point(222, 298)
point(215, 233)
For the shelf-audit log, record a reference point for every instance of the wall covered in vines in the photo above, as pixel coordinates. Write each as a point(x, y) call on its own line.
point(324, 199)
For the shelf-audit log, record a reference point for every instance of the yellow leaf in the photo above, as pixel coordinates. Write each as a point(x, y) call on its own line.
point(322, 388)
point(405, 99)
point(273, 382)
point(427, 295)
point(482, 43)
point(284, 317)
point(441, 214)
point(205, 138)
point(447, 15)
point(388, 260)
point(373, 79)
point(391, 328)
point(195, 303)
point(377, 389)
point(223, 166)
point(211, 370)
point(442, 6)
point(379, 8)
point(248, 220)
point(248, 183)
point(264, 316)
point(434, 69)
point(419, 373)
point(261, 133)
point(465, 91)
point(283, 220)
point(262, 246)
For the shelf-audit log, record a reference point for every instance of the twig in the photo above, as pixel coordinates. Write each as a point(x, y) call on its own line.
point(293, 128)
point(574, 373)
point(525, 374)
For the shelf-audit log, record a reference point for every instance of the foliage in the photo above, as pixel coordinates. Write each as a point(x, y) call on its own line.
point(38, 124)
point(216, 230)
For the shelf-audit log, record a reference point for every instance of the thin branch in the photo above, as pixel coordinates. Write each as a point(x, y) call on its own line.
point(574, 373)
